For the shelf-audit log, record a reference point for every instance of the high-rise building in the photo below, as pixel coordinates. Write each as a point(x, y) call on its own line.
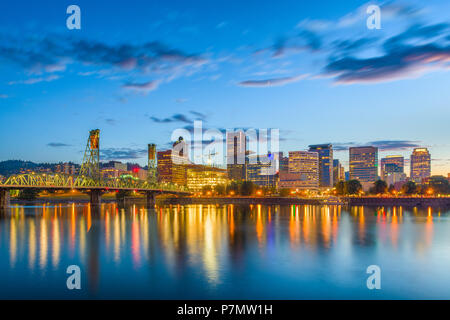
point(262, 174)
point(325, 152)
point(338, 171)
point(394, 177)
point(420, 164)
point(171, 167)
point(303, 171)
point(391, 164)
point(364, 165)
point(236, 155)
point(283, 163)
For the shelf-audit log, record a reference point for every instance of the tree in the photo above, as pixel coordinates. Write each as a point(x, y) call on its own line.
point(206, 189)
point(409, 188)
point(439, 185)
point(28, 194)
point(340, 187)
point(247, 188)
point(220, 189)
point(353, 187)
point(392, 189)
point(284, 192)
point(233, 187)
point(380, 187)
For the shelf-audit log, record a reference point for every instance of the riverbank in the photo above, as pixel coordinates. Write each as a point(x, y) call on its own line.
point(443, 202)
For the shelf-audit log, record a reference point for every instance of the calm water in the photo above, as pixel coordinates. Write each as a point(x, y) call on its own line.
point(224, 252)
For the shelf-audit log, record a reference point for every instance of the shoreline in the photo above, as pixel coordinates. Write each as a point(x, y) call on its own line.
point(347, 201)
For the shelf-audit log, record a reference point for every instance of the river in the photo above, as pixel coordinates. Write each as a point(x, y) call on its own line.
point(224, 252)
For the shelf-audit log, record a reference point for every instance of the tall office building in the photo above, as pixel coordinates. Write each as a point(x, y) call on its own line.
point(172, 163)
point(338, 171)
point(262, 174)
point(390, 165)
point(420, 164)
point(236, 155)
point(364, 165)
point(325, 152)
point(303, 171)
point(283, 163)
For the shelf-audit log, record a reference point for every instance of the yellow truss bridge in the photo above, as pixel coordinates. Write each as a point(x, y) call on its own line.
point(89, 179)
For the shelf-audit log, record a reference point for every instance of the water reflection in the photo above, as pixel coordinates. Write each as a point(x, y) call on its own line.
point(213, 244)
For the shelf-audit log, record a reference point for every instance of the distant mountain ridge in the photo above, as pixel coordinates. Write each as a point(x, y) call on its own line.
point(9, 167)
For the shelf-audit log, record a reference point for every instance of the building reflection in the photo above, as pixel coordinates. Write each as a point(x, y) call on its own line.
point(204, 239)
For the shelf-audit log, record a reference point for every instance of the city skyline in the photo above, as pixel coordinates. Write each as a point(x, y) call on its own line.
point(288, 74)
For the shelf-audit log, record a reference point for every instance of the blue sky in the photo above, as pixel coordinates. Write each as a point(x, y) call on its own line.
point(138, 71)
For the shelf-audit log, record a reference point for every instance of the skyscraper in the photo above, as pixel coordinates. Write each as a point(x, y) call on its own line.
point(325, 152)
point(236, 152)
point(391, 164)
point(303, 171)
point(338, 171)
point(172, 163)
point(420, 164)
point(260, 173)
point(283, 164)
point(364, 165)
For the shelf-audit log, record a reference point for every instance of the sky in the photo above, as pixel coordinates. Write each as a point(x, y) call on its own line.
point(138, 70)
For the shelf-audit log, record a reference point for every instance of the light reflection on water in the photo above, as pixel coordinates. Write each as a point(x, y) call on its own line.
point(226, 251)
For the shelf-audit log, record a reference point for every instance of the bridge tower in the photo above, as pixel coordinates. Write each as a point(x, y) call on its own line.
point(91, 160)
point(151, 175)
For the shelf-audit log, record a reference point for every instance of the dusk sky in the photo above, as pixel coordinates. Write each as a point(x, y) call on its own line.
point(137, 70)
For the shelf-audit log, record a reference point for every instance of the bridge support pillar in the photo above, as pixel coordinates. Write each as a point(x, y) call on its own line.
point(95, 197)
point(151, 199)
point(4, 199)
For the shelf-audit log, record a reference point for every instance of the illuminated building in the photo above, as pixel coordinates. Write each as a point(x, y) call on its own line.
point(325, 152)
point(262, 174)
point(110, 173)
point(283, 163)
point(236, 152)
point(338, 171)
point(394, 177)
point(171, 164)
point(420, 164)
point(198, 176)
point(303, 171)
point(114, 169)
point(364, 165)
point(139, 173)
point(391, 164)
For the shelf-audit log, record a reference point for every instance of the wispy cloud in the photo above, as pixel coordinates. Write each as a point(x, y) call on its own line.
point(271, 82)
point(178, 117)
point(416, 51)
point(54, 53)
point(122, 153)
point(383, 145)
point(57, 145)
point(49, 78)
point(111, 121)
point(143, 87)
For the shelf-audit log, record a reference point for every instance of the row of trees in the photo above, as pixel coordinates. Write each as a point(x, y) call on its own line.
point(435, 185)
point(241, 188)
